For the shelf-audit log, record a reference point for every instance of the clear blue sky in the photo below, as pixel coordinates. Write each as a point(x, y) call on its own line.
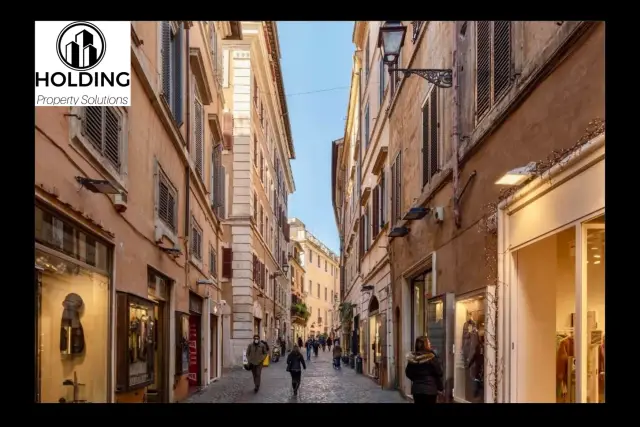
point(316, 56)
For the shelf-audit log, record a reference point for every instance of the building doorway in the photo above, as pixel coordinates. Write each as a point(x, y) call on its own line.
point(374, 352)
point(195, 322)
point(396, 347)
point(213, 348)
point(159, 292)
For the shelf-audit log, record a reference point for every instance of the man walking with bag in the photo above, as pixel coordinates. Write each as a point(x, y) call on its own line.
point(256, 353)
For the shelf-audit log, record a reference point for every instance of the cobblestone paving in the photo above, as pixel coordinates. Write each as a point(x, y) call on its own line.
point(321, 383)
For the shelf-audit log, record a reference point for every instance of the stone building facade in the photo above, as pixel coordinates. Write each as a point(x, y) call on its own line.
point(321, 280)
point(143, 247)
point(522, 91)
point(256, 256)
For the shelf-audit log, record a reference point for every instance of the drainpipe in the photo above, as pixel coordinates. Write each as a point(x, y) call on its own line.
point(456, 128)
point(187, 205)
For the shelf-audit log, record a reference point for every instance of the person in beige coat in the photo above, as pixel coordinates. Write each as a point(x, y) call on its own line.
point(256, 353)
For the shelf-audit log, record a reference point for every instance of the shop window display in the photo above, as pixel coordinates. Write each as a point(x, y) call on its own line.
point(420, 292)
point(469, 362)
point(72, 328)
point(594, 250)
point(545, 365)
point(182, 343)
point(137, 340)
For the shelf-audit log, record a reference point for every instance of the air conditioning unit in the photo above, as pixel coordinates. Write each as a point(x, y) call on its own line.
point(120, 202)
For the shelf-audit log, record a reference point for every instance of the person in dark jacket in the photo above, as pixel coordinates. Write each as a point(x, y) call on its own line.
point(425, 372)
point(309, 346)
point(294, 363)
point(329, 342)
point(316, 345)
point(299, 342)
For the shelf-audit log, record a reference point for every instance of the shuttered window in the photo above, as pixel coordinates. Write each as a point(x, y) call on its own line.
point(375, 221)
point(361, 239)
point(383, 199)
point(171, 51)
point(383, 80)
point(260, 218)
point(218, 178)
point(227, 260)
point(261, 167)
point(367, 59)
point(366, 127)
point(430, 137)
point(213, 262)
point(196, 239)
point(167, 201)
point(198, 134)
point(255, 150)
point(102, 127)
point(493, 63)
point(255, 208)
point(396, 189)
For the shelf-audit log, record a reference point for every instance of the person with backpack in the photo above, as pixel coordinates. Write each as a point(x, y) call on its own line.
point(425, 372)
point(295, 362)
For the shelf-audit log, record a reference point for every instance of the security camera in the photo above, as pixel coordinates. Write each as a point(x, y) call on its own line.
point(204, 282)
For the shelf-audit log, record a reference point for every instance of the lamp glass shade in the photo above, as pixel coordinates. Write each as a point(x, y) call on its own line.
point(391, 40)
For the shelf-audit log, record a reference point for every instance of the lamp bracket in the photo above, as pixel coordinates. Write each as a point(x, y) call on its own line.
point(440, 78)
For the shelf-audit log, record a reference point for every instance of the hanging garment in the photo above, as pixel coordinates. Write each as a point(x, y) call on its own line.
point(142, 337)
point(71, 331)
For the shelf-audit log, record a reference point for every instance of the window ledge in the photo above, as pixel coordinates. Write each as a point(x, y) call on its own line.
point(198, 67)
point(163, 230)
point(198, 264)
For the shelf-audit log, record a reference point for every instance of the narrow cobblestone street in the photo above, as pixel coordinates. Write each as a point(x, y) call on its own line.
point(321, 383)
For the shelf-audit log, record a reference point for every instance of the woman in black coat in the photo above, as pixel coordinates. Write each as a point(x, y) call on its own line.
point(295, 362)
point(425, 372)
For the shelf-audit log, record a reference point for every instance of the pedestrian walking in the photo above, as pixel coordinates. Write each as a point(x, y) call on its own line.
point(337, 355)
point(294, 363)
point(256, 353)
point(425, 372)
point(316, 345)
point(329, 342)
point(309, 346)
point(299, 342)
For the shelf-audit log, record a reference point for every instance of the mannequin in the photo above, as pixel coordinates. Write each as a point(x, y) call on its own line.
point(71, 331)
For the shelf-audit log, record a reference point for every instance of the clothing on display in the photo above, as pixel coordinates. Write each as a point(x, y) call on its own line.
point(142, 343)
point(71, 331)
point(565, 371)
point(473, 354)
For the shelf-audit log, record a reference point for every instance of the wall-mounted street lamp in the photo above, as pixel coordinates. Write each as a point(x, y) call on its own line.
point(416, 213)
point(518, 175)
point(399, 232)
point(391, 39)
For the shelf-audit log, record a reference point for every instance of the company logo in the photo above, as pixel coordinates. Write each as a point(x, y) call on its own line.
point(81, 46)
point(78, 70)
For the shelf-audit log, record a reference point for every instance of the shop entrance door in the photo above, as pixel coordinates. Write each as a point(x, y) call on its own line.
point(157, 392)
point(213, 348)
point(439, 321)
